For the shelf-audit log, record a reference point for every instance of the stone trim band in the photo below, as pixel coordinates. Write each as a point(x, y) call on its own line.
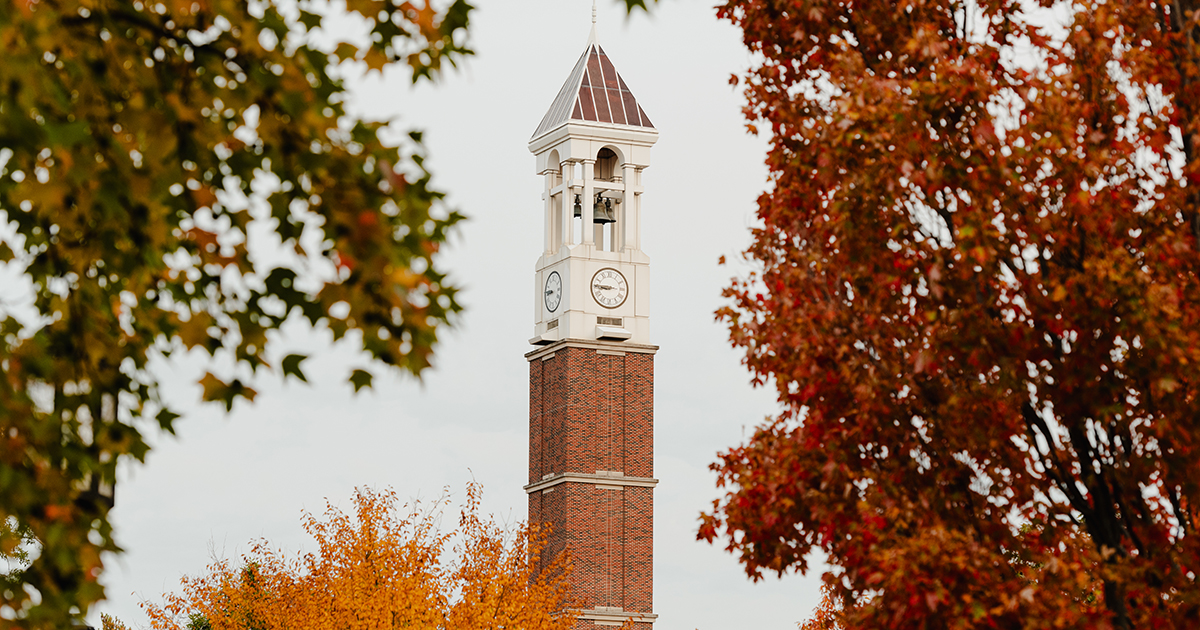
point(603, 616)
point(605, 480)
point(591, 345)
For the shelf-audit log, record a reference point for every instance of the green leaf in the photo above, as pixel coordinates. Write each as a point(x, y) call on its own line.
point(458, 15)
point(291, 366)
point(310, 20)
point(361, 379)
point(630, 5)
point(346, 51)
point(165, 419)
point(216, 390)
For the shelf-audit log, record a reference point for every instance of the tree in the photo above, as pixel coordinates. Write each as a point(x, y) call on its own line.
point(976, 295)
point(382, 569)
point(140, 143)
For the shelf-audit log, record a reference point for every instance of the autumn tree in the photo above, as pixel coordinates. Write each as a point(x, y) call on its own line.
point(382, 567)
point(140, 141)
point(976, 294)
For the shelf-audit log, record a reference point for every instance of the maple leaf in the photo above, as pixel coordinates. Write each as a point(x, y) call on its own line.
point(217, 390)
point(291, 366)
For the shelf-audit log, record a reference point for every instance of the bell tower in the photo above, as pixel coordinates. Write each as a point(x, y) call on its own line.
point(591, 375)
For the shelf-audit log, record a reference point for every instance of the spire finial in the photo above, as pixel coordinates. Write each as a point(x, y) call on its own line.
point(592, 39)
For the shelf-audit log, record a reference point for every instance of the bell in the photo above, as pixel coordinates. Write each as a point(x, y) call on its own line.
point(603, 212)
point(578, 208)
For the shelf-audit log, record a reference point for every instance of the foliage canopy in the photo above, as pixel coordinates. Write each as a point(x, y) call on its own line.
point(143, 145)
point(977, 297)
point(379, 568)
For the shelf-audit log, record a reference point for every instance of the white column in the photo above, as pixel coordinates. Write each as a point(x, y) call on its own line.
point(629, 209)
point(549, 197)
point(635, 211)
point(556, 223)
point(566, 224)
point(589, 192)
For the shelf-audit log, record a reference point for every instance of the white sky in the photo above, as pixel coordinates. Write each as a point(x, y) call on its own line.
point(228, 480)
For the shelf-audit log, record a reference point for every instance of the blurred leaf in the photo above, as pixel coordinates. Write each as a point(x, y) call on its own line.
point(361, 379)
point(166, 419)
point(291, 366)
point(630, 5)
point(310, 20)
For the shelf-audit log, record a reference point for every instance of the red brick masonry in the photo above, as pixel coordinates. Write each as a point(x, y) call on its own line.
point(591, 469)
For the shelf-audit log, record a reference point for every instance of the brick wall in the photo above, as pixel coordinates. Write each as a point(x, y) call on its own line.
point(592, 411)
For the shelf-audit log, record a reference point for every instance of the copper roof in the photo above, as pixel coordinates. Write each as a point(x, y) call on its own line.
point(594, 92)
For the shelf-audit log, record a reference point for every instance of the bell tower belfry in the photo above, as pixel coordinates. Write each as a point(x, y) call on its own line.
point(591, 376)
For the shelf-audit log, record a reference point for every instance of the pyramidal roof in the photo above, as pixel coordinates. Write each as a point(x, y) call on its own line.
point(594, 92)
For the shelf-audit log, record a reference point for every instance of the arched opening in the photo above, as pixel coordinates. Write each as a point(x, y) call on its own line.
point(606, 166)
point(605, 205)
point(555, 168)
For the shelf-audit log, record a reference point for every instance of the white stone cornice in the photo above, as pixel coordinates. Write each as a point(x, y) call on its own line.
point(606, 616)
point(620, 346)
point(598, 479)
point(599, 132)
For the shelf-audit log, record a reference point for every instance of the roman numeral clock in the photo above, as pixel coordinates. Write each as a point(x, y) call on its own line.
point(591, 374)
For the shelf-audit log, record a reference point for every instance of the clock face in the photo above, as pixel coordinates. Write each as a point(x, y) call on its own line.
point(553, 292)
point(609, 288)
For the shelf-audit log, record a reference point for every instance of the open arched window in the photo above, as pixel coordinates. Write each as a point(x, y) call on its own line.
point(606, 166)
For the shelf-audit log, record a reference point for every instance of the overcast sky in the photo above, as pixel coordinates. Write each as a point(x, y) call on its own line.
point(226, 480)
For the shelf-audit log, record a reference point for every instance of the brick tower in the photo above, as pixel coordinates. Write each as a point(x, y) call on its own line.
point(591, 377)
